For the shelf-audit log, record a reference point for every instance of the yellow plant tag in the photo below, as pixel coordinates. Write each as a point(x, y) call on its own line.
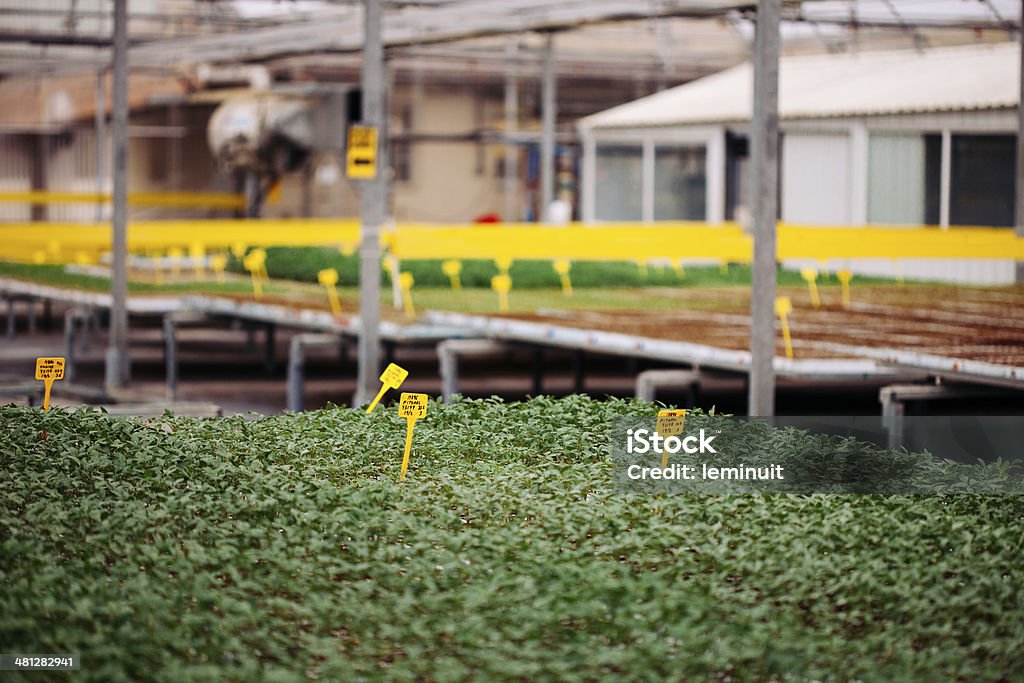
point(328, 277)
point(502, 284)
point(670, 423)
point(391, 378)
point(811, 276)
point(405, 281)
point(844, 277)
point(562, 267)
point(452, 268)
point(219, 262)
point(503, 263)
point(49, 370)
point(411, 407)
point(783, 307)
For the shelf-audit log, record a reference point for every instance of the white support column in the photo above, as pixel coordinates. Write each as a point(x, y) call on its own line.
point(858, 174)
point(549, 115)
point(647, 182)
point(714, 169)
point(945, 178)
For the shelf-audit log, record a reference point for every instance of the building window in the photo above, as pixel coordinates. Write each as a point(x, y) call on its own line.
point(618, 188)
point(983, 179)
point(680, 181)
point(400, 149)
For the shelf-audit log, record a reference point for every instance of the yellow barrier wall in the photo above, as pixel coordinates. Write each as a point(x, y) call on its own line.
point(626, 241)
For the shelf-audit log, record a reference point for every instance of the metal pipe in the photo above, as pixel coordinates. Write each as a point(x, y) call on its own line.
point(374, 194)
point(764, 151)
point(101, 139)
point(511, 127)
point(118, 361)
point(548, 116)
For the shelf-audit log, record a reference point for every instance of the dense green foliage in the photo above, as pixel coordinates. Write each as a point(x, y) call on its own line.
point(284, 548)
point(303, 264)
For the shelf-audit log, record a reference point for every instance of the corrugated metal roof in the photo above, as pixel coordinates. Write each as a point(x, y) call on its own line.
point(871, 83)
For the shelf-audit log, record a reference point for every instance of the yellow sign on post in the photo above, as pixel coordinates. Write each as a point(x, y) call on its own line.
point(502, 284)
point(328, 277)
point(562, 267)
point(783, 307)
point(811, 276)
point(503, 263)
point(452, 268)
point(411, 407)
point(49, 370)
point(362, 152)
point(405, 281)
point(391, 378)
point(844, 277)
point(670, 423)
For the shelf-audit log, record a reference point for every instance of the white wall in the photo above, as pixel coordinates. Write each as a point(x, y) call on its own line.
point(816, 179)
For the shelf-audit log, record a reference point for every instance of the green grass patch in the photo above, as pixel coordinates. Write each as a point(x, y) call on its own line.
point(284, 548)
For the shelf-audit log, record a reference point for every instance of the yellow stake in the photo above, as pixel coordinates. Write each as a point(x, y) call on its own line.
point(412, 407)
point(405, 280)
point(197, 251)
point(48, 370)
point(391, 378)
point(844, 277)
point(503, 263)
point(328, 277)
point(452, 268)
point(723, 267)
point(502, 284)
point(811, 276)
point(783, 307)
point(562, 267)
point(219, 262)
point(253, 262)
point(670, 423)
point(175, 254)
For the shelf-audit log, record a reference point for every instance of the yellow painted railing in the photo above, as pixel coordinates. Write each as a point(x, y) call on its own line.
point(627, 241)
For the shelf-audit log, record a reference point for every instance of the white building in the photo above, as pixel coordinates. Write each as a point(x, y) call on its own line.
point(883, 138)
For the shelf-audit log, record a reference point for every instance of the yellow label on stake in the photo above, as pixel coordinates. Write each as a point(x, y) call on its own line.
point(844, 277)
point(362, 152)
point(219, 262)
point(503, 263)
point(197, 250)
point(783, 307)
point(811, 276)
point(254, 264)
point(562, 267)
point(391, 378)
point(328, 277)
point(411, 407)
point(452, 268)
point(49, 370)
point(502, 284)
point(670, 423)
point(405, 281)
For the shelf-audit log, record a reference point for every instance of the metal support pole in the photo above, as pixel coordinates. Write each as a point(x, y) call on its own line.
point(374, 194)
point(117, 359)
point(512, 212)
point(764, 155)
point(170, 357)
point(547, 141)
point(101, 139)
point(1020, 148)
